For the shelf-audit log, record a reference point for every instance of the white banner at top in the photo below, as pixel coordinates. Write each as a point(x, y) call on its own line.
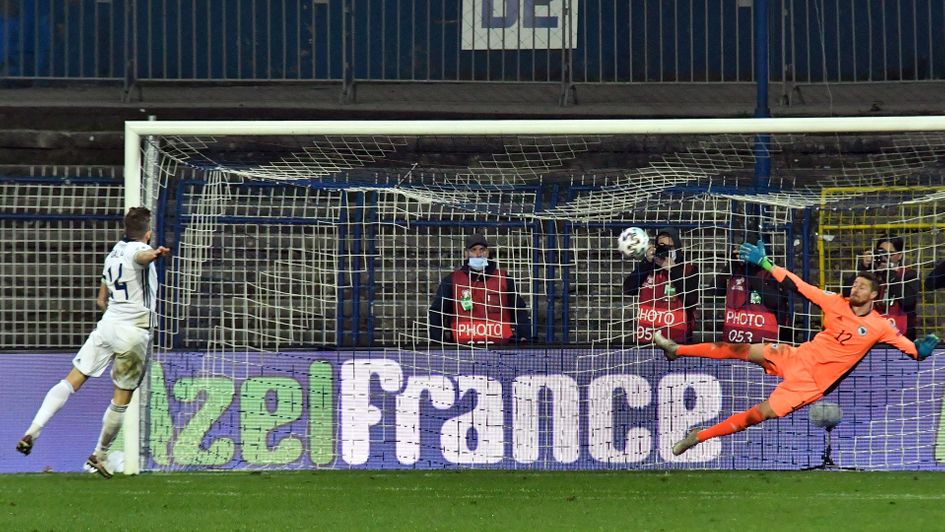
point(519, 24)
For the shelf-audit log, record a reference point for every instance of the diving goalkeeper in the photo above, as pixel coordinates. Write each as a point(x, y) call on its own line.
point(813, 369)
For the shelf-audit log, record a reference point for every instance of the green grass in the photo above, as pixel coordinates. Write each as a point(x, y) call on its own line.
point(476, 500)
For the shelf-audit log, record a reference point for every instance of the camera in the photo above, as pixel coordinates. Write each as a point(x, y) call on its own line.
point(880, 258)
point(662, 251)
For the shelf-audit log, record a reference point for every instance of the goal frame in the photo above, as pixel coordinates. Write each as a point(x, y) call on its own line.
point(136, 130)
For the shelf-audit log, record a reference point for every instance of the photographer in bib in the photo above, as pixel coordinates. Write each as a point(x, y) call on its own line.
point(899, 290)
point(668, 287)
point(478, 303)
point(755, 305)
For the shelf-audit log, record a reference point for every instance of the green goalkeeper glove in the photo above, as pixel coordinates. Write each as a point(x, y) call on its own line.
point(926, 345)
point(755, 254)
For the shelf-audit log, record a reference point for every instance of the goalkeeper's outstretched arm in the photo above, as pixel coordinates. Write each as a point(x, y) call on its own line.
point(756, 254)
point(919, 350)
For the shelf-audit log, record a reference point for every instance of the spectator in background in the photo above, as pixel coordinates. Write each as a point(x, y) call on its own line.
point(477, 303)
point(899, 293)
point(755, 305)
point(668, 289)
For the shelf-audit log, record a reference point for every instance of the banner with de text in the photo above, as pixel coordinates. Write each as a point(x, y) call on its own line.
point(520, 24)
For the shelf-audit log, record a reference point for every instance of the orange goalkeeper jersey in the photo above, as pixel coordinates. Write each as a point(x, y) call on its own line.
point(845, 338)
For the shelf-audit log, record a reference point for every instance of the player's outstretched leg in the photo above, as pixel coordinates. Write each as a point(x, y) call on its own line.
point(25, 445)
point(716, 350)
point(668, 346)
point(55, 398)
point(735, 423)
point(98, 464)
point(683, 445)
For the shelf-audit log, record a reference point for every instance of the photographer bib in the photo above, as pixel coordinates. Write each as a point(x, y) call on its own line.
point(661, 308)
point(747, 320)
point(481, 308)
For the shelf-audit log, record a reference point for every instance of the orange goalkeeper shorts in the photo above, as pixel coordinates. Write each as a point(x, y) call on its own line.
point(798, 388)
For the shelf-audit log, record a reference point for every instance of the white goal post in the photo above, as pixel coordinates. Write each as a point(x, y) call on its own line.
point(137, 131)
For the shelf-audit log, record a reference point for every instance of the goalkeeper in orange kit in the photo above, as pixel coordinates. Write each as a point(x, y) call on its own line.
point(850, 329)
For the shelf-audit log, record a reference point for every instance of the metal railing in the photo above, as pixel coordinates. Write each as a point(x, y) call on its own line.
point(581, 41)
point(64, 39)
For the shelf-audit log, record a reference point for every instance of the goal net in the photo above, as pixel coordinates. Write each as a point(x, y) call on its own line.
point(309, 316)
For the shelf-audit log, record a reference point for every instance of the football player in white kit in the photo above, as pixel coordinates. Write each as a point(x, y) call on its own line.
point(127, 293)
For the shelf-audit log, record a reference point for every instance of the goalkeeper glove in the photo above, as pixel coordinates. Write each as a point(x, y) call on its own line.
point(926, 345)
point(755, 254)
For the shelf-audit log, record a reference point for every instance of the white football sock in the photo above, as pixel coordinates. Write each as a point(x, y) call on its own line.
point(55, 398)
point(111, 424)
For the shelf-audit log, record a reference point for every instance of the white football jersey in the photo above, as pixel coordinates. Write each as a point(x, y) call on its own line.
point(132, 288)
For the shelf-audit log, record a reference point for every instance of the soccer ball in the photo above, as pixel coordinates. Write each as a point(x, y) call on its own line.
point(632, 243)
point(825, 414)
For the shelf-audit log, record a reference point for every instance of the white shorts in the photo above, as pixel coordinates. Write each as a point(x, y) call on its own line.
point(126, 344)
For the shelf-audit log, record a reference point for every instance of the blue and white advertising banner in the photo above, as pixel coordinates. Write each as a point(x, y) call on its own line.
point(512, 409)
point(520, 24)
point(502, 409)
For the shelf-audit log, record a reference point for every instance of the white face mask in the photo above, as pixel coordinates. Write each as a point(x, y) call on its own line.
point(478, 263)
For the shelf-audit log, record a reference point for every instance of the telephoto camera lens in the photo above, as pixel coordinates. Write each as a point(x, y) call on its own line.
point(880, 257)
point(662, 251)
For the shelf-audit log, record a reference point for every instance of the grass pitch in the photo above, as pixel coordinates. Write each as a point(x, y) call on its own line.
point(475, 500)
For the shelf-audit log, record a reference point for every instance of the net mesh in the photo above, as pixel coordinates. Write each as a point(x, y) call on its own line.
point(297, 254)
point(53, 231)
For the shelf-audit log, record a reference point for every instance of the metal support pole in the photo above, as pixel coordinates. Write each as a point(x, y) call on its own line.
point(131, 61)
point(762, 141)
point(348, 91)
point(568, 95)
point(762, 157)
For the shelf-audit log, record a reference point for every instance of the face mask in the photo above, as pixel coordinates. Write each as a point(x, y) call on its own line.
point(663, 251)
point(478, 263)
